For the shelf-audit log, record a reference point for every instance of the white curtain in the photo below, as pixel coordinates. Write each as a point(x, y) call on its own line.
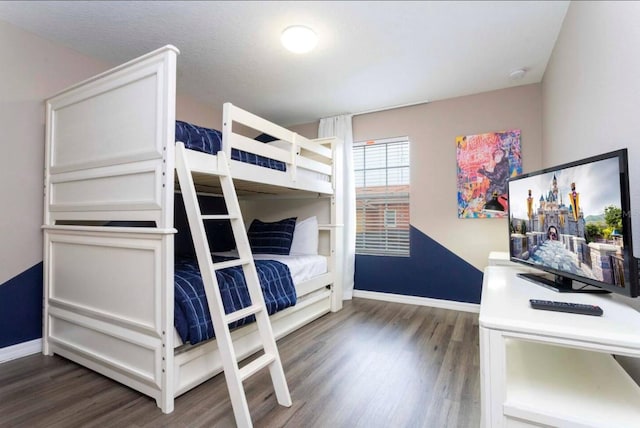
point(340, 126)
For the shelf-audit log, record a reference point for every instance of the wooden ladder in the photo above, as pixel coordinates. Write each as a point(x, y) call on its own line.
point(233, 373)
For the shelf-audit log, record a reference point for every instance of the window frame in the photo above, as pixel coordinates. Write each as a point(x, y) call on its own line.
point(393, 238)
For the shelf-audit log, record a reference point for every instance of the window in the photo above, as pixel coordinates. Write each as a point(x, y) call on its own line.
point(390, 218)
point(382, 197)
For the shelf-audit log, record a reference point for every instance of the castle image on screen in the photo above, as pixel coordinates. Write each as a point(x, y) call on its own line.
point(570, 220)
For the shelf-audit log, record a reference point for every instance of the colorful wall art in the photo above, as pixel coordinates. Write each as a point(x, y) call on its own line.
point(485, 162)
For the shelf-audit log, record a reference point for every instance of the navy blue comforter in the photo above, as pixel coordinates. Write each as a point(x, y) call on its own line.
point(191, 313)
point(210, 140)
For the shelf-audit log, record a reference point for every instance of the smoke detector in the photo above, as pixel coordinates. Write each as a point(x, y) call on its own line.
point(517, 74)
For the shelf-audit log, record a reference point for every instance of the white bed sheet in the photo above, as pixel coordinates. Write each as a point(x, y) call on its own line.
point(302, 268)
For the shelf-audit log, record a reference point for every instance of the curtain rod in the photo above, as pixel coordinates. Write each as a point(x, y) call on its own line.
point(390, 108)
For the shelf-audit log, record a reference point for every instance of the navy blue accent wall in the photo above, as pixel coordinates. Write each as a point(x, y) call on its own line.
point(21, 307)
point(431, 271)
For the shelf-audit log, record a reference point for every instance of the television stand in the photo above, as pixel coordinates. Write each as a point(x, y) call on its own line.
point(540, 368)
point(560, 285)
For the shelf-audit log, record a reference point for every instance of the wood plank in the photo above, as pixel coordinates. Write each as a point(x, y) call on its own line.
point(373, 364)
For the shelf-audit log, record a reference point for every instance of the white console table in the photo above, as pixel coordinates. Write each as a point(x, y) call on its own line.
point(499, 258)
point(542, 368)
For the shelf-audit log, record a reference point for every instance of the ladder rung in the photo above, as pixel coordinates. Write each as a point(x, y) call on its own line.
point(256, 365)
point(229, 263)
point(242, 313)
point(219, 217)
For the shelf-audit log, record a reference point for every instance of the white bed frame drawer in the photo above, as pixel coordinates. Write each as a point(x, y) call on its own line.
point(134, 354)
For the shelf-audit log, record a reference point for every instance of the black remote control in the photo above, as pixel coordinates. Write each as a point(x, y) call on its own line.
point(574, 308)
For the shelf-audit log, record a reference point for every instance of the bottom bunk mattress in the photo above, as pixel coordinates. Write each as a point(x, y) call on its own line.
point(278, 276)
point(191, 311)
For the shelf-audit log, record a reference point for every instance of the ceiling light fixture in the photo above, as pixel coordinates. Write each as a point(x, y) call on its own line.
point(517, 74)
point(299, 39)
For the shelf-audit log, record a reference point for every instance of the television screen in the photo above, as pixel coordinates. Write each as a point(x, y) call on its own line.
point(573, 221)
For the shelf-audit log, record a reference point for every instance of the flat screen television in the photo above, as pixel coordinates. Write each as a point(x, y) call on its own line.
point(573, 222)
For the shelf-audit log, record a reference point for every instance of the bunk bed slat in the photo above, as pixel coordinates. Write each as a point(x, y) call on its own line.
point(314, 165)
point(229, 263)
point(314, 147)
point(255, 122)
point(242, 313)
point(220, 217)
point(245, 144)
point(256, 365)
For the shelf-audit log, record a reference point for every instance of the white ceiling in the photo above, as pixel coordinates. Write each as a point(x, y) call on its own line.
point(370, 55)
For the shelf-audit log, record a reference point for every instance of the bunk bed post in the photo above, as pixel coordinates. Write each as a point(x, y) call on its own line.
point(227, 127)
point(46, 221)
point(167, 392)
point(293, 152)
point(100, 168)
point(168, 120)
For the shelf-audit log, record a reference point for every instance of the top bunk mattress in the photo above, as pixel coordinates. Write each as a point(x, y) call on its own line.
point(209, 141)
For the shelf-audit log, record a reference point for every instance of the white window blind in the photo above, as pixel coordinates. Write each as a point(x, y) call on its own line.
point(382, 196)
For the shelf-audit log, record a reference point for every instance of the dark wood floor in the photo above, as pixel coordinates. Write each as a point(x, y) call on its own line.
point(373, 364)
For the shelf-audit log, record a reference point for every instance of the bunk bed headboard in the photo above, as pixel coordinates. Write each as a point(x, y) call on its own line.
point(110, 143)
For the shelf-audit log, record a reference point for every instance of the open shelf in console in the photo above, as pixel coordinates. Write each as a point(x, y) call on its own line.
point(560, 386)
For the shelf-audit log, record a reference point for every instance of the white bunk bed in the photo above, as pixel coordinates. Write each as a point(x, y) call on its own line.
point(108, 291)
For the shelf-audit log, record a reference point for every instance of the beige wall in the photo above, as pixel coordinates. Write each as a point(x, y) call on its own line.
point(591, 89)
point(309, 130)
point(190, 110)
point(591, 96)
point(432, 129)
point(34, 69)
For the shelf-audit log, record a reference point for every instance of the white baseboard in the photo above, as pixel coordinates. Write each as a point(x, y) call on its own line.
point(420, 301)
point(20, 350)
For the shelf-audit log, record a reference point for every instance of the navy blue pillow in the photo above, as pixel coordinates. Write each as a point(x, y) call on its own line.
point(272, 238)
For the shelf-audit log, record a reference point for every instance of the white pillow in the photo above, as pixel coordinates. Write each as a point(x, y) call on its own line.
point(305, 237)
